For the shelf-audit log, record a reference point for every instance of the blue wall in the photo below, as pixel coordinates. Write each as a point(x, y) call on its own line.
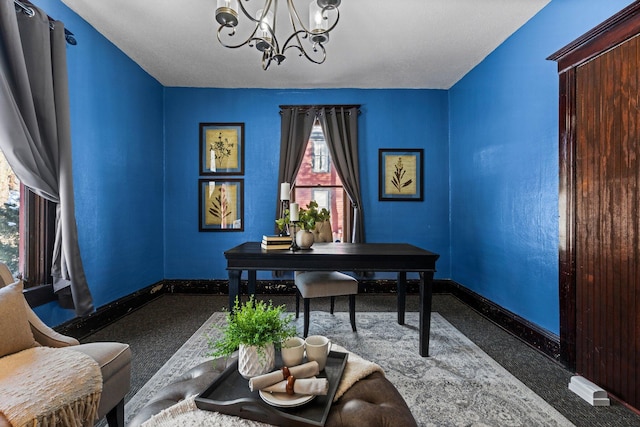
point(389, 119)
point(491, 166)
point(116, 123)
point(504, 164)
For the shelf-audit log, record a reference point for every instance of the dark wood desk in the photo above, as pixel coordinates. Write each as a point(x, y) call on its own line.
point(394, 257)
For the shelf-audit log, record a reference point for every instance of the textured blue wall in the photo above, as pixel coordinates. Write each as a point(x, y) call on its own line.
point(116, 123)
point(491, 168)
point(389, 119)
point(504, 164)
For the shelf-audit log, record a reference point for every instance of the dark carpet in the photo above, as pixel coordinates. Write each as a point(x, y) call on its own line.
point(158, 329)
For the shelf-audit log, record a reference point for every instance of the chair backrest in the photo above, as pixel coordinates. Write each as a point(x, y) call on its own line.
point(323, 232)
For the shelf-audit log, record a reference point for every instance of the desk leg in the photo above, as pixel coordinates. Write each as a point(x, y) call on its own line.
point(234, 286)
point(402, 296)
point(426, 295)
point(251, 282)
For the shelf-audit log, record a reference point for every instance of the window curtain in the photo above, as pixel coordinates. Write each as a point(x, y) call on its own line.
point(35, 134)
point(295, 131)
point(340, 127)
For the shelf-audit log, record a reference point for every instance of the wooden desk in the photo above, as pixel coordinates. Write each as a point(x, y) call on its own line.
point(395, 257)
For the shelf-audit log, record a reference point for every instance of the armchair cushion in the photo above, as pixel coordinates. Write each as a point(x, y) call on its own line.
point(114, 360)
point(15, 331)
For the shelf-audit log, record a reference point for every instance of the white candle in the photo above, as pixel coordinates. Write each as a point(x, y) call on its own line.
point(293, 212)
point(285, 189)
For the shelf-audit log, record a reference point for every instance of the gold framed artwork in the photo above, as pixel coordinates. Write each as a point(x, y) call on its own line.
point(221, 148)
point(400, 174)
point(221, 204)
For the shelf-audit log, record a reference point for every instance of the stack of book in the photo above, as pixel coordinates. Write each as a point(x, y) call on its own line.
point(275, 242)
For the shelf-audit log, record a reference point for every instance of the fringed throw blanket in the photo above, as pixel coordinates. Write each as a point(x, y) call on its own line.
point(187, 414)
point(43, 387)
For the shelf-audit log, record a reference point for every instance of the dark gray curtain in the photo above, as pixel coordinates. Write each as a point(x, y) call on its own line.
point(35, 132)
point(340, 127)
point(296, 125)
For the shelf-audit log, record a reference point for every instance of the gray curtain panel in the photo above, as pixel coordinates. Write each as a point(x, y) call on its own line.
point(340, 127)
point(35, 133)
point(295, 131)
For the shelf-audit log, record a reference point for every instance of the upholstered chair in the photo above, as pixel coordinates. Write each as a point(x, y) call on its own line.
point(317, 284)
point(113, 358)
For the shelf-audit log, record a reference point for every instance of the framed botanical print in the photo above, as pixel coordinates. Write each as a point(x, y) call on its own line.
point(400, 174)
point(221, 204)
point(221, 148)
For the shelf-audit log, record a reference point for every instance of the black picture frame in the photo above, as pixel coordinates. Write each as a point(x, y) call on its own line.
point(221, 204)
point(221, 149)
point(400, 174)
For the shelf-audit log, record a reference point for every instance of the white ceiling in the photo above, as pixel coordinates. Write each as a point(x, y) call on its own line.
point(377, 44)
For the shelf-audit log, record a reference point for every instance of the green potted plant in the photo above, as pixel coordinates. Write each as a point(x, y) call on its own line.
point(283, 222)
point(308, 220)
point(254, 329)
point(311, 216)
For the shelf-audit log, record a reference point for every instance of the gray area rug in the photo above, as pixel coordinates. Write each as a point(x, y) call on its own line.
point(457, 385)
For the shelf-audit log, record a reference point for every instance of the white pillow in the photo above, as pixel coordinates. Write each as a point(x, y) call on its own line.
point(15, 331)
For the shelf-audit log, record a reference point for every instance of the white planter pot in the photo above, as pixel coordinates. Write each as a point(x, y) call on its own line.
point(304, 239)
point(253, 362)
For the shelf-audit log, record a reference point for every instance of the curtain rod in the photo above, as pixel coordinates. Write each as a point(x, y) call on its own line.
point(68, 35)
point(321, 106)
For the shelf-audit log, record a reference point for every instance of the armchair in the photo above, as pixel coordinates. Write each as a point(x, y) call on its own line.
point(114, 360)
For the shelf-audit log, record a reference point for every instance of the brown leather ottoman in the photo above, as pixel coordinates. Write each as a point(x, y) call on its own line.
point(372, 401)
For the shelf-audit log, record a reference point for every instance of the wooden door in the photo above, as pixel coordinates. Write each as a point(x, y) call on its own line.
point(600, 204)
point(607, 166)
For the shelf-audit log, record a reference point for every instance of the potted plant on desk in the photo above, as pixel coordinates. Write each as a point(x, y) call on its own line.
point(254, 329)
point(310, 220)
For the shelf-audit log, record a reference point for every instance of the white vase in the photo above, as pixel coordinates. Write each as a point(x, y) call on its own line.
point(304, 239)
point(254, 361)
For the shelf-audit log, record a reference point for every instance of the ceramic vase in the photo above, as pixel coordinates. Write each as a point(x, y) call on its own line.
point(254, 361)
point(304, 239)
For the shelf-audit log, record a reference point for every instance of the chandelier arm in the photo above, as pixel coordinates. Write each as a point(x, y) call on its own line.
point(302, 50)
point(235, 46)
point(266, 60)
point(273, 44)
point(306, 55)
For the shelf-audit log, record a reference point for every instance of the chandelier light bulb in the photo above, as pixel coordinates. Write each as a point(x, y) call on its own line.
point(227, 12)
point(265, 30)
point(318, 24)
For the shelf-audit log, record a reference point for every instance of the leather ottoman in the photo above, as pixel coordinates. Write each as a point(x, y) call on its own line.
point(372, 401)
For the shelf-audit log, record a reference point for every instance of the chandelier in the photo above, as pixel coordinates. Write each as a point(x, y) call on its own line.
point(323, 17)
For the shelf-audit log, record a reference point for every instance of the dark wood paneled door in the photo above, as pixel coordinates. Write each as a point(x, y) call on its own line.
point(599, 200)
point(607, 166)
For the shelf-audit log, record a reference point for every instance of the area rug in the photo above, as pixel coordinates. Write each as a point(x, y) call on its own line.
point(457, 385)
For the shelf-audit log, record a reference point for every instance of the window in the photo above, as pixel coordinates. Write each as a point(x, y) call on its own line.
point(316, 180)
point(9, 217)
point(27, 229)
point(320, 158)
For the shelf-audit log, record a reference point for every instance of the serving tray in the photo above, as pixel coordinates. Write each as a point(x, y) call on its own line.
point(229, 394)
